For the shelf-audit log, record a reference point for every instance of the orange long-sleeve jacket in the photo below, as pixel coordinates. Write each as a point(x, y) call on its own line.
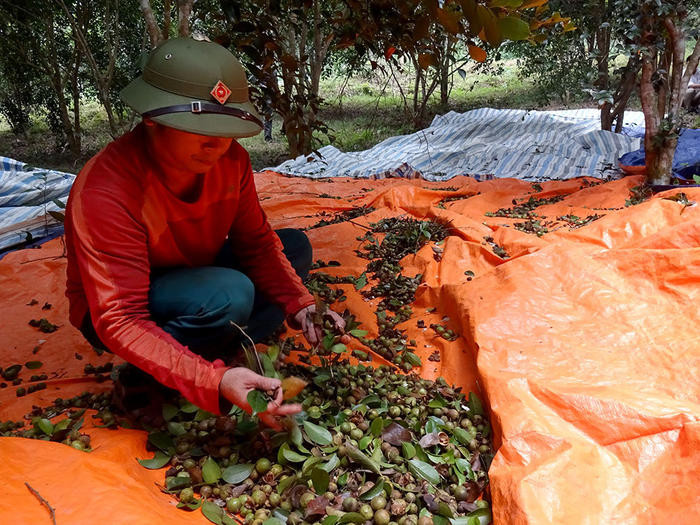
point(122, 223)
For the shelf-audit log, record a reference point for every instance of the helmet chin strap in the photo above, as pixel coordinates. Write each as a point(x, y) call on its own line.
point(197, 106)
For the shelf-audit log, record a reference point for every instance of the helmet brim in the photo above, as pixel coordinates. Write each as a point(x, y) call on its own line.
point(142, 97)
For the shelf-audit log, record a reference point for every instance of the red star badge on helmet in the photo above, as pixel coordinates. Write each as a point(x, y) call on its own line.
point(221, 92)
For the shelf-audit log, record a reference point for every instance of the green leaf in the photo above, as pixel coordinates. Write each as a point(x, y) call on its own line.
point(268, 366)
point(696, 178)
point(343, 479)
point(465, 467)
point(61, 425)
point(330, 520)
point(309, 464)
point(475, 405)
point(437, 402)
point(170, 411)
point(212, 512)
point(318, 434)
point(513, 28)
point(361, 281)
point(286, 483)
point(45, 426)
point(409, 451)
point(364, 442)
point(176, 428)
point(162, 441)
point(463, 436)
point(332, 462)
point(257, 401)
point(424, 470)
point(358, 333)
point(189, 408)
point(434, 424)
point(412, 358)
point(321, 377)
point(295, 433)
point(377, 426)
point(289, 455)
point(59, 203)
point(202, 415)
point(376, 490)
point(177, 482)
point(159, 460)
point(236, 474)
point(190, 506)
point(33, 365)
point(272, 521)
point(445, 510)
point(320, 478)
point(338, 348)
point(352, 517)
point(211, 471)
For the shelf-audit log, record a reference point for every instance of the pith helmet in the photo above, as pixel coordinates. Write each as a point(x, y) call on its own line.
point(196, 86)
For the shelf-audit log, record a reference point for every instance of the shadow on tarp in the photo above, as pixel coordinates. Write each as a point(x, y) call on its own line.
point(574, 341)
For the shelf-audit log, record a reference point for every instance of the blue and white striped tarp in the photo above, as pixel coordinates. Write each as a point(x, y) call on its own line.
point(528, 145)
point(26, 196)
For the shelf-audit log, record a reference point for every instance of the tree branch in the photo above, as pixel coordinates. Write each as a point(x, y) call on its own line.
point(52, 511)
point(154, 33)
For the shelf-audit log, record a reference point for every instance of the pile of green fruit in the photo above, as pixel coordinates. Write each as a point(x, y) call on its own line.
point(371, 446)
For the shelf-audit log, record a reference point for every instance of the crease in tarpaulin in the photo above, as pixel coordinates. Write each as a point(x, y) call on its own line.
point(562, 476)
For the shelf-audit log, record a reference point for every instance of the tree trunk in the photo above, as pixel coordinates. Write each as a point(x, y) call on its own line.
point(659, 159)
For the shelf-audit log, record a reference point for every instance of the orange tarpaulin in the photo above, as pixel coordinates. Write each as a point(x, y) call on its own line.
point(584, 342)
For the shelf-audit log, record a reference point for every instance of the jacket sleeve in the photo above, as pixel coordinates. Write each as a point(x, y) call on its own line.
point(111, 249)
point(259, 252)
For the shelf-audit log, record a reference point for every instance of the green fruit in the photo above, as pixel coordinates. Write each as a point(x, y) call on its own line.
point(258, 497)
point(350, 505)
point(274, 499)
point(356, 434)
point(367, 511)
point(263, 465)
point(186, 495)
point(306, 498)
point(378, 502)
point(382, 517)
point(189, 463)
point(233, 505)
point(482, 504)
point(461, 493)
point(78, 445)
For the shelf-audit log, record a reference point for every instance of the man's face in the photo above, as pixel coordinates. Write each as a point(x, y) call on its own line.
point(185, 151)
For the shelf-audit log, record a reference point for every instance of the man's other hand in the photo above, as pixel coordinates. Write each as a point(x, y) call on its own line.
point(237, 383)
point(313, 332)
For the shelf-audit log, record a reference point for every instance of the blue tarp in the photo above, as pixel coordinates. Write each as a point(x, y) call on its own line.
point(686, 161)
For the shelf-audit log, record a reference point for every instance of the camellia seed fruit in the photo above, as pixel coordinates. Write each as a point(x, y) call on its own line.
point(382, 517)
point(233, 505)
point(263, 465)
point(186, 495)
point(367, 511)
point(378, 502)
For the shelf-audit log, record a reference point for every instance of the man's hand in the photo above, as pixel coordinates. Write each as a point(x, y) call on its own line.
point(313, 332)
point(238, 382)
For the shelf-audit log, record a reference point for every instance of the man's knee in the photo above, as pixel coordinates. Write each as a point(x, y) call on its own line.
point(208, 296)
point(233, 300)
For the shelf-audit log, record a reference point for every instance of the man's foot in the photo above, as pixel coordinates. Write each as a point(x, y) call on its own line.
point(138, 395)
